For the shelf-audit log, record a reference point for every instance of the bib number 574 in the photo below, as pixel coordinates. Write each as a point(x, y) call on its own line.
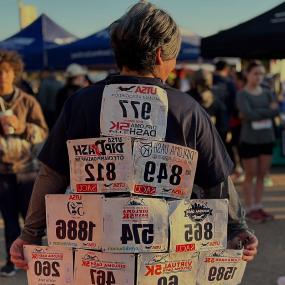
point(139, 233)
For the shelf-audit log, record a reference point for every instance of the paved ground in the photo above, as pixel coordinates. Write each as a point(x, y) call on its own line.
point(270, 262)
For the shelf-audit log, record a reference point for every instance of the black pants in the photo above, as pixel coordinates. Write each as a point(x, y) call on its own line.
point(14, 201)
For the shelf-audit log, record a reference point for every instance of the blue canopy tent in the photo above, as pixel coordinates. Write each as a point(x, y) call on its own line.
point(95, 51)
point(33, 41)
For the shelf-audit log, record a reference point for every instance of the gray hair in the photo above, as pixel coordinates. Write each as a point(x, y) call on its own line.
point(139, 33)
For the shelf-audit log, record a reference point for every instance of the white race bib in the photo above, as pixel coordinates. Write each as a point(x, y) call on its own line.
point(165, 268)
point(134, 110)
point(49, 265)
point(163, 169)
point(135, 225)
point(100, 165)
point(74, 220)
point(224, 267)
point(103, 268)
point(198, 225)
point(261, 125)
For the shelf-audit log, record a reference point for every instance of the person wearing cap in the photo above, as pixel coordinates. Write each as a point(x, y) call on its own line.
point(22, 131)
point(75, 79)
point(146, 42)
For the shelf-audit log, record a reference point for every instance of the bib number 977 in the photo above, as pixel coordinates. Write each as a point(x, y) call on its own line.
point(221, 273)
point(139, 110)
point(139, 233)
point(199, 232)
point(100, 277)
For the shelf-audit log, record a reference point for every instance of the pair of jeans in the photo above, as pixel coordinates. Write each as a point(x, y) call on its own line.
point(14, 201)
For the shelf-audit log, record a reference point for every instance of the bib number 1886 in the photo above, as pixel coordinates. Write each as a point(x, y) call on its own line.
point(72, 229)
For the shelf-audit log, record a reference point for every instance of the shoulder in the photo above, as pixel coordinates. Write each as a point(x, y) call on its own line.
point(28, 99)
point(184, 99)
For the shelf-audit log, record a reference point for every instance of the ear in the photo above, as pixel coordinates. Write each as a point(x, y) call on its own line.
point(158, 59)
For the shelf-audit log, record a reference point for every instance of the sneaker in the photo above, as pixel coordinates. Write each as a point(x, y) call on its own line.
point(281, 280)
point(8, 270)
point(268, 182)
point(266, 215)
point(255, 217)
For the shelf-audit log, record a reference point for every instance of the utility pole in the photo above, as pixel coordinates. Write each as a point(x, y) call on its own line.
point(20, 4)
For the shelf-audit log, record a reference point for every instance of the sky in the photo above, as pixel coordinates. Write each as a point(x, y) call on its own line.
point(84, 17)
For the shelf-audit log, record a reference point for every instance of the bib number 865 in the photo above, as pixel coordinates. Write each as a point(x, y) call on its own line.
point(198, 233)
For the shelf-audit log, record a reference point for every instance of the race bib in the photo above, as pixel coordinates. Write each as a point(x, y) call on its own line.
point(103, 268)
point(167, 269)
point(198, 225)
point(135, 225)
point(49, 265)
point(224, 267)
point(74, 220)
point(134, 110)
point(163, 169)
point(261, 125)
point(100, 165)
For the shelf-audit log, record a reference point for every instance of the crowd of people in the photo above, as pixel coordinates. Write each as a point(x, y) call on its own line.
point(242, 106)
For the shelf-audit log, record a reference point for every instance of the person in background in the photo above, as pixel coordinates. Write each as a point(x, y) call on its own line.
point(235, 127)
point(257, 107)
point(201, 84)
point(25, 86)
point(47, 96)
point(224, 89)
point(75, 79)
point(22, 131)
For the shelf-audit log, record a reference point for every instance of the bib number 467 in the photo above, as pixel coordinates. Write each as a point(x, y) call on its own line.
point(100, 277)
point(139, 233)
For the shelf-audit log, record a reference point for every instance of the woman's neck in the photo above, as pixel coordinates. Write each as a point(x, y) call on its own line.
point(6, 90)
point(253, 88)
point(128, 72)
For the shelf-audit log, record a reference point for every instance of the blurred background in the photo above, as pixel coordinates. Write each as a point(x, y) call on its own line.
point(65, 46)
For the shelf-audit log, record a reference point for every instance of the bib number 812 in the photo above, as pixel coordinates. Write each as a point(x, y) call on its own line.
point(221, 273)
point(130, 234)
point(110, 172)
